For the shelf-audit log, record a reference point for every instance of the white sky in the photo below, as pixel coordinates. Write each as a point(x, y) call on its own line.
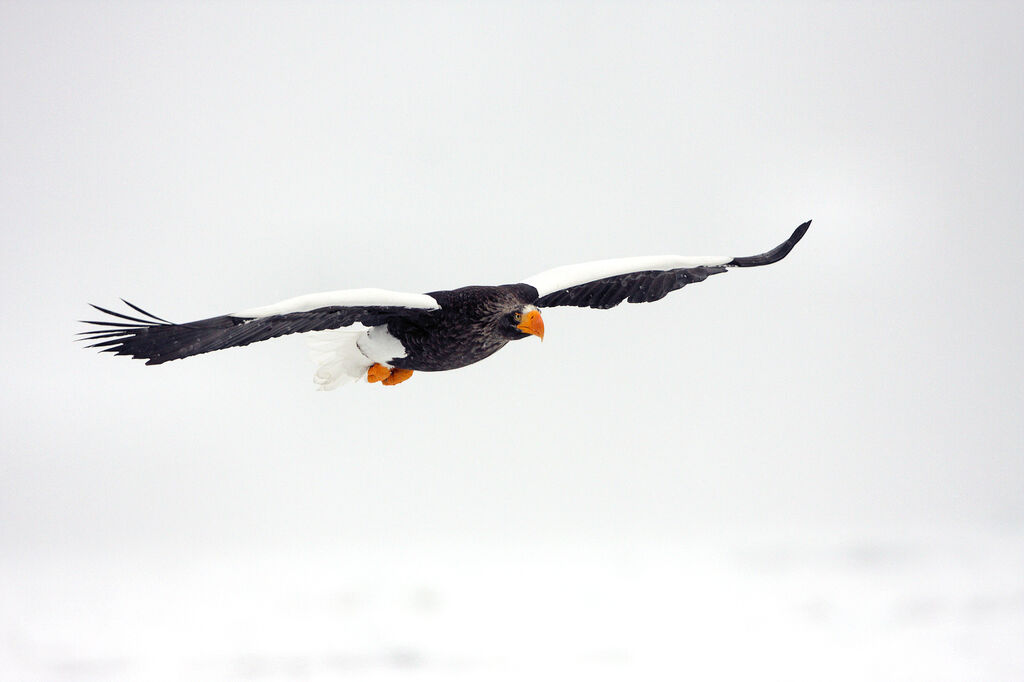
point(198, 159)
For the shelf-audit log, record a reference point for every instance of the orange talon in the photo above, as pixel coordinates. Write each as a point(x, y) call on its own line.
point(377, 372)
point(397, 377)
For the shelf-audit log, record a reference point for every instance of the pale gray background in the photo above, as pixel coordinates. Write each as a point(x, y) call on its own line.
point(853, 411)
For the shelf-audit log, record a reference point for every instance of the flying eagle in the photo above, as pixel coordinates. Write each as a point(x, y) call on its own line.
point(385, 336)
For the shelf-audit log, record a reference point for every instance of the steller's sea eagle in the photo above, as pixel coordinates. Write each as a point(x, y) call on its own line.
point(386, 335)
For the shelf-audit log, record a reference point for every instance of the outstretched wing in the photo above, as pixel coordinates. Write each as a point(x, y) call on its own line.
point(607, 283)
point(156, 340)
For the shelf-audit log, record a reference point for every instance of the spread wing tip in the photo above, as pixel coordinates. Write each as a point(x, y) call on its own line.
point(120, 334)
point(776, 254)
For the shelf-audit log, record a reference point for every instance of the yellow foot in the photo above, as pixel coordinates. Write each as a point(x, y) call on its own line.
point(386, 375)
point(377, 372)
point(397, 377)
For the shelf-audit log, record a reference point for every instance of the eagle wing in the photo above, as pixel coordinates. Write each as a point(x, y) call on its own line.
point(607, 283)
point(156, 340)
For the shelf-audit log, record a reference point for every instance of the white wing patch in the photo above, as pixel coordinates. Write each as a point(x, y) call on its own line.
point(345, 297)
point(567, 276)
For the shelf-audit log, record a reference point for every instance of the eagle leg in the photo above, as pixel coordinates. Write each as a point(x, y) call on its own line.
point(377, 372)
point(397, 377)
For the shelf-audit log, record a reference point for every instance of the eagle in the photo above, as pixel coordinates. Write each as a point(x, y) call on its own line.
point(384, 336)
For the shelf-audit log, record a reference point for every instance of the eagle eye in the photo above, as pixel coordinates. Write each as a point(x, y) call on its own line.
point(517, 316)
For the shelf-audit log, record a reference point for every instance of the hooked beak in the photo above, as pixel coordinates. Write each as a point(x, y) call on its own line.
point(532, 324)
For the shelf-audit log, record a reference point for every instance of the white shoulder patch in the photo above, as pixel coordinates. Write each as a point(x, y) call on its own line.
point(567, 276)
point(345, 297)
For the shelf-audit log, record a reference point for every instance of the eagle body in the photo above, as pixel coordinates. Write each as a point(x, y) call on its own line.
point(385, 336)
point(469, 327)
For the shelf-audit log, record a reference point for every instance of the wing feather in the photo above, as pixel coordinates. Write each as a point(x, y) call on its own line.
point(566, 276)
point(607, 283)
point(158, 340)
point(343, 298)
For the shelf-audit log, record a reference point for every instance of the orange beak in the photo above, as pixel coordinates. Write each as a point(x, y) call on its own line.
point(532, 324)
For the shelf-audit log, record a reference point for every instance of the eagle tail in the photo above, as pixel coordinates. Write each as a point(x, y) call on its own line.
point(337, 357)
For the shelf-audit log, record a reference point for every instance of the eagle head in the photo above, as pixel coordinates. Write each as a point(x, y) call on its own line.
point(521, 322)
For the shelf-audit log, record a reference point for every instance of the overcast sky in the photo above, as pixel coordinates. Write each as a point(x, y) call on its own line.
point(200, 159)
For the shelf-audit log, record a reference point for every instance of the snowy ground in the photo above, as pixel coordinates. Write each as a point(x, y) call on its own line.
point(927, 606)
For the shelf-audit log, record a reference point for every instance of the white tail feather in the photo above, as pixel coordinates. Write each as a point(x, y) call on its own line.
point(337, 357)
